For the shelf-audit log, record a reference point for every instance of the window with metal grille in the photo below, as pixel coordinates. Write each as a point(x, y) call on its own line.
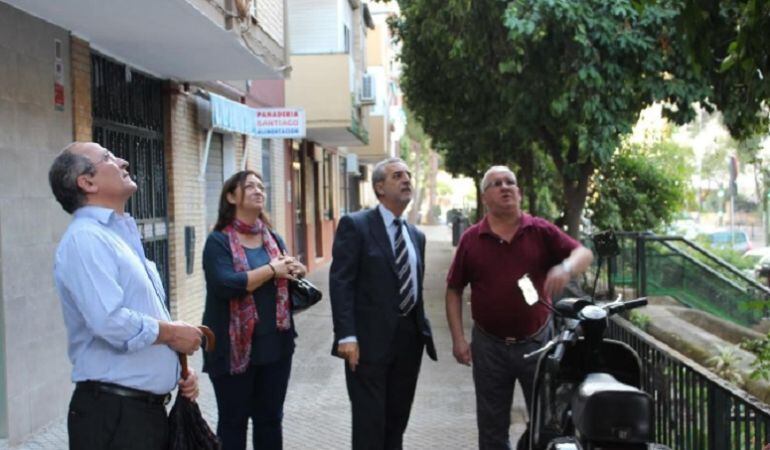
point(127, 108)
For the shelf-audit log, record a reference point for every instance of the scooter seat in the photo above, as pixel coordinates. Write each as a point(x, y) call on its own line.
point(606, 410)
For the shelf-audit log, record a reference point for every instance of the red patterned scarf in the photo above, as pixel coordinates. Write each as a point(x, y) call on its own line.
point(243, 310)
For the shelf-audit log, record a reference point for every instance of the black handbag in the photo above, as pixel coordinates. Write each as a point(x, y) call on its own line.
point(303, 295)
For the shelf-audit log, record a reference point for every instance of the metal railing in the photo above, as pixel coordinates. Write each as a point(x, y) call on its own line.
point(676, 267)
point(694, 409)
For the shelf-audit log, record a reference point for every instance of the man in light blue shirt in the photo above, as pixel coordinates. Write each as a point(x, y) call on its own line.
point(122, 342)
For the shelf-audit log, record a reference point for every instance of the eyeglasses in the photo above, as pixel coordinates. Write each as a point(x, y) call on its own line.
point(108, 156)
point(507, 182)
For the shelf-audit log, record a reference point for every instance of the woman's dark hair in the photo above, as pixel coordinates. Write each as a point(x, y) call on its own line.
point(227, 209)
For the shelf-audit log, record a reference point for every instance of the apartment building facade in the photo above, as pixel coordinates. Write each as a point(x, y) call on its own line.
point(329, 61)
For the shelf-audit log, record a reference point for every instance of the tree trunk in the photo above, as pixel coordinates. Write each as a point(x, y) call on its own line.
point(414, 213)
point(575, 176)
point(479, 204)
point(528, 178)
point(575, 193)
point(432, 183)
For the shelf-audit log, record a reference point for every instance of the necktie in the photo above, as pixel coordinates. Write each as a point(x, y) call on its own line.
point(406, 300)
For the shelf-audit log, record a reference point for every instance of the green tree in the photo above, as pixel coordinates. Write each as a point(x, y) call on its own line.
point(585, 69)
point(642, 188)
point(726, 44)
point(451, 51)
point(496, 82)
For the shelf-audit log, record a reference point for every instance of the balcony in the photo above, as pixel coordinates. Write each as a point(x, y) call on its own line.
point(323, 85)
point(379, 146)
point(192, 40)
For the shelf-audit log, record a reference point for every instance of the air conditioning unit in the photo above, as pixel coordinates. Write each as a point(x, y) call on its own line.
point(367, 90)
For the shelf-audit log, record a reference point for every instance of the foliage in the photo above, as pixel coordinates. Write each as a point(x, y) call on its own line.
point(761, 349)
point(639, 319)
point(726, 44)
point(495, 82)
point(641, 188)
point(725, 364)
point(594, 66)
point(728, 255)
point(508, 82)
point(450, 50)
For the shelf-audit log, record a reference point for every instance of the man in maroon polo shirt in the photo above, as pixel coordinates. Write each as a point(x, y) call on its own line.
point(503, 256)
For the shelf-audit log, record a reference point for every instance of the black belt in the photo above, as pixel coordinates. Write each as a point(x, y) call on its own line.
point(122, 391)
point(512, 340)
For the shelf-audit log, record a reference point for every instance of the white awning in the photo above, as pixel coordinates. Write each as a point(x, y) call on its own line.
point(168, 38)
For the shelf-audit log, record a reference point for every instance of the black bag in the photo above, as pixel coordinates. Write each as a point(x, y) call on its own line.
point(303, 295)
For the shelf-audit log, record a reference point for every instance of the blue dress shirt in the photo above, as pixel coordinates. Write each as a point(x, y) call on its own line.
point(112, 298)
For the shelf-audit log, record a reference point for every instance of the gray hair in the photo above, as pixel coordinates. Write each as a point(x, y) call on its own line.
point(378, 173)
point(491, 171)
point(63, 177)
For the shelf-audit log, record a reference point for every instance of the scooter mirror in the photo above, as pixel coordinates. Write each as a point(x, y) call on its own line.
point(606, 244)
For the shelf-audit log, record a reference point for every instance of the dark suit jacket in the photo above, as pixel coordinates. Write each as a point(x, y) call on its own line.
point(363, 286)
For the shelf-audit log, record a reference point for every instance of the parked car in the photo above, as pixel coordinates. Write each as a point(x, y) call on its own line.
point(737, 240)
point(762, 269)
point(758, 259)
point(687, 228)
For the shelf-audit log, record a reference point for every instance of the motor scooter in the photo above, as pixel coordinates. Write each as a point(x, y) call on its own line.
point(586, 393)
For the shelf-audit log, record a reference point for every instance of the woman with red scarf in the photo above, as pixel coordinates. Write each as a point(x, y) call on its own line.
point(248, 308)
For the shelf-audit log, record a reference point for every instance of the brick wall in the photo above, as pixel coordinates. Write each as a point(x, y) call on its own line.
point(186, 195)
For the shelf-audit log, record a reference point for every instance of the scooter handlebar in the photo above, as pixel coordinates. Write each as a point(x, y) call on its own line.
point(619, 307)
point(565, 337)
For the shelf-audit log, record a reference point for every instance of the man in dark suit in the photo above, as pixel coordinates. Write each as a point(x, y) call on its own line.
point(380, 327)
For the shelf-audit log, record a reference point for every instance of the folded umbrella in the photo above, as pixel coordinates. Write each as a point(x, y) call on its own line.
point(187, 428)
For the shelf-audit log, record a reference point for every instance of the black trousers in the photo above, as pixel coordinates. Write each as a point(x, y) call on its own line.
point(496, 367)
point(102, 421)
point(381, 394)
point(257, 394)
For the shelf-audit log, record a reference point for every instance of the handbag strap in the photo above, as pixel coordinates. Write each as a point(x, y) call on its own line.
point(280, 243)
